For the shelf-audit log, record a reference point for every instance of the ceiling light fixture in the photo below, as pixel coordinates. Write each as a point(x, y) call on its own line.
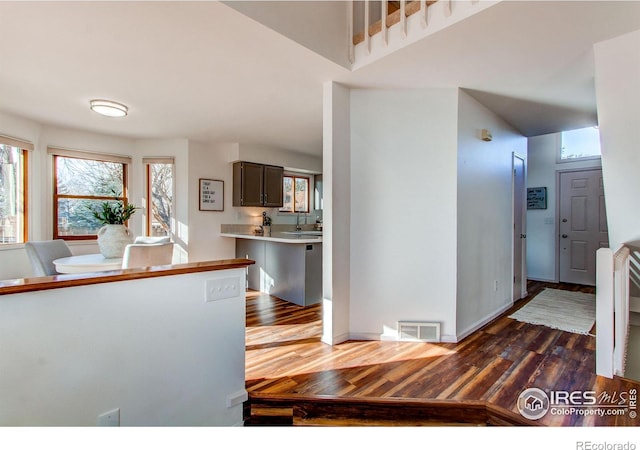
point(109, 108)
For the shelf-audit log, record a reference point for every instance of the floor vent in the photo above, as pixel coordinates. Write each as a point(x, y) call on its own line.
point(419, 331)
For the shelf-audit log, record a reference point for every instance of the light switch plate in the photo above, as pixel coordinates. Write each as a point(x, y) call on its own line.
point(221, 288)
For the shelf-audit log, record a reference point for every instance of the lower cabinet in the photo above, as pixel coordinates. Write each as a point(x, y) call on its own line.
point(291, 272)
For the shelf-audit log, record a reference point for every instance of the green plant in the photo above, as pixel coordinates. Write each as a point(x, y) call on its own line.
point(114, 212)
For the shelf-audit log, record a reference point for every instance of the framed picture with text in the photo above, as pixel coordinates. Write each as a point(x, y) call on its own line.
point(211, 195)
point(537, 198)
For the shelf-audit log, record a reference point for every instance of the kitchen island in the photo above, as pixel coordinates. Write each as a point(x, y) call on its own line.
point(288, 264)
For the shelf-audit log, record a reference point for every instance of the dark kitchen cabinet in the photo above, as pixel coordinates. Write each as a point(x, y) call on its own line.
point(257, 184)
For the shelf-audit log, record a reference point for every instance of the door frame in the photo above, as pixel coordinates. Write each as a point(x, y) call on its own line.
point(559, 172)
point(523, 264)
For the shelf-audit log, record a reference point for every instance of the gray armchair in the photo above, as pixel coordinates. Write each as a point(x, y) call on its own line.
point(43, 253)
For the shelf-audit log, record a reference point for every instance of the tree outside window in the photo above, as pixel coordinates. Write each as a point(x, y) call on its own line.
point(13, 186)
point(159, 197)
point(295, 194)
point(81, 186)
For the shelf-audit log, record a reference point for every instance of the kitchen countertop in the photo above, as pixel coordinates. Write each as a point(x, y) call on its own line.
point(286, 238)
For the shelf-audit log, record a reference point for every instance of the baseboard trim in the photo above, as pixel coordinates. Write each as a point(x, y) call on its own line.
point(334, 340)
point(482, 322)
point(543, 280)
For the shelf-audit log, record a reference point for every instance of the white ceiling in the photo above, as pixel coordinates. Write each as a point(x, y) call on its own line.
point(203, 71)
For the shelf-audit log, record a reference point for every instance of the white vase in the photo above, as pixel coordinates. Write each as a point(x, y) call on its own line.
point(112, 240)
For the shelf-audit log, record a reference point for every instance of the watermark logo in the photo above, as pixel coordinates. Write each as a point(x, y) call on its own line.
point(533, 403)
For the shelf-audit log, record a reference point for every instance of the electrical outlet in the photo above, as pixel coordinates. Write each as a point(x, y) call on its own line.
point(221, 288)
point(110, 418)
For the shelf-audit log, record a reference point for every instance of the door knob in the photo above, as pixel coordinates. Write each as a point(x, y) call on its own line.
point(565, 236)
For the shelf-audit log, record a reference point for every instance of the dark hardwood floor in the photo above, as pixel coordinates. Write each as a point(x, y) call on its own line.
point(295, 379)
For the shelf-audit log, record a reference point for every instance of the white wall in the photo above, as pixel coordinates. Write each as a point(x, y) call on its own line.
point(337, 231)
point(290, 160)
point(210, 161)
point(320, 26)
point(485, 214)
point(403, 210)
point(618, 97)
point(13, 259)
point(195, 232)
point(179, 150)
point(151, 347)
point(542, 171)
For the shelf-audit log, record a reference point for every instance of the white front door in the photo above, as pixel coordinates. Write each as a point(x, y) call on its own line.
point(583, 225)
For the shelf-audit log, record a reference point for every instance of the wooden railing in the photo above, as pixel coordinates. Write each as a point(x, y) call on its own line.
point(612, 310)
point(391, 13)
point(379, 28)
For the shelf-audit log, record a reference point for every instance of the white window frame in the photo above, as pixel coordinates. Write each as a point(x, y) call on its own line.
point(560, 160)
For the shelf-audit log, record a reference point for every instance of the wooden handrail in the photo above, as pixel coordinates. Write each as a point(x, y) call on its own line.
point(23, 285)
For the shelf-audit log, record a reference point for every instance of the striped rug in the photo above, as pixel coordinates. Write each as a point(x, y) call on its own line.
point(570, 311)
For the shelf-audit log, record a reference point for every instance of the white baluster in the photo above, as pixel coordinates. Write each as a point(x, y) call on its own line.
point(403, 18)
point(447, 7)
point(383, 22)
point(605, 270)
point(423, 13)
point(367, 38)
point(351, 47)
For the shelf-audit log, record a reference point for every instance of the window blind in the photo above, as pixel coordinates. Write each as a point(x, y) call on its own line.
point(13, 142)
point(158, 160)
point(89, 155)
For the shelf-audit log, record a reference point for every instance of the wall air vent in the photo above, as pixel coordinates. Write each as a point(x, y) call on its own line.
point(419, 331)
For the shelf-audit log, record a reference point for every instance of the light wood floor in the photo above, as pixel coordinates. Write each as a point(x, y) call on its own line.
point(493, 366)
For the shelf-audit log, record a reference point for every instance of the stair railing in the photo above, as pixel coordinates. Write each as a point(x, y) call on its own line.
point(612, 310)
point(365, 12)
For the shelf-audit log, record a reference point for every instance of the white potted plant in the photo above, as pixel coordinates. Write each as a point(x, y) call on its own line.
point(114, 236)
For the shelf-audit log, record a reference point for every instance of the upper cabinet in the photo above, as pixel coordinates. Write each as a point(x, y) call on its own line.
point(257, 184)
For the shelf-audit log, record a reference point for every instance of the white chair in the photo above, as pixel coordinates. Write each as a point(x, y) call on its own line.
point(151, 239)
point(146, 255)
point(43, 253)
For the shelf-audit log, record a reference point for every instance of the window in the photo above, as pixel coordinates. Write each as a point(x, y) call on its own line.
point(13, 190)
point(159, 195)
point(583, 143)
point(295, 194)
point(82, 182)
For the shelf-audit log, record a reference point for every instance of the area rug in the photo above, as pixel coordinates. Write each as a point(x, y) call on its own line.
point(570, 311)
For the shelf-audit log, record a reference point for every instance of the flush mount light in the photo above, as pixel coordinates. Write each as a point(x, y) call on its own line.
point(109, 108)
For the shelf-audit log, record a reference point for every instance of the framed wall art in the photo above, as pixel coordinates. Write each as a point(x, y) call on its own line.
point(537, 198)
point(211, 195)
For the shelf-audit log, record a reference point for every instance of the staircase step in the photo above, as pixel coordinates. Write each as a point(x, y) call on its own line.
point(300, 410)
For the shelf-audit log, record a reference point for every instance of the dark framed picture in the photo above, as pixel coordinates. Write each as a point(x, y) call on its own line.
point(537, 198)
point(211, 195)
